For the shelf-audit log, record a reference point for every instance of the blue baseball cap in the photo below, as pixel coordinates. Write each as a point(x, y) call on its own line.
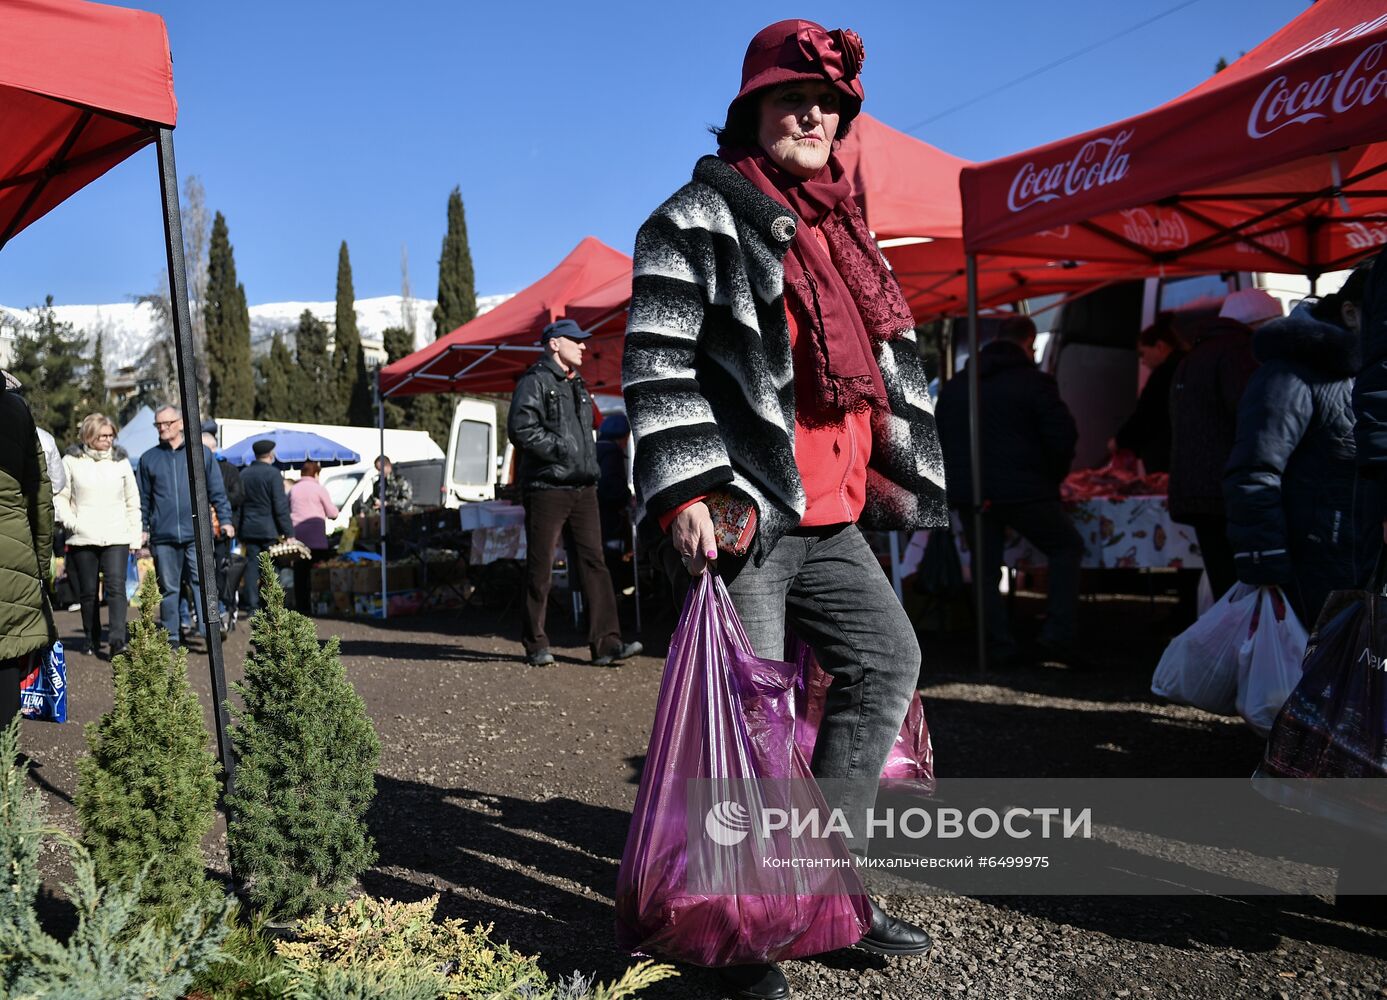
point(563, 328)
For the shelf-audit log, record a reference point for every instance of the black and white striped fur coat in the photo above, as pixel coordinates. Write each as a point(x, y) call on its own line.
point(708, 376)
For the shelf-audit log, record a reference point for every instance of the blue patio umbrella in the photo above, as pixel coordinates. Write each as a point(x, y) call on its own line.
point(291, 448)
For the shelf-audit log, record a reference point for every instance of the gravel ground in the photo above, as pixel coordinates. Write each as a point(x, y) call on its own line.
point(507, 789)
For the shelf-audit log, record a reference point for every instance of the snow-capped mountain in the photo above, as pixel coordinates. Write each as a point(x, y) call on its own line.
point(128, 328)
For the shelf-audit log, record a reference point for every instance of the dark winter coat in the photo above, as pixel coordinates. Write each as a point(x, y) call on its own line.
point(709, 379)
point(26, 531)
point(1291, 477)
point(1147, 430)
point(550, 421)
point(1370, 391)
point(1204, 415)
point(165, 503)
point(231, 482)
point(1028, 434)
point(264, 514)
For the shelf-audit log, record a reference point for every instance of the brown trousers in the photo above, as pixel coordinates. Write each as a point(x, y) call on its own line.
point(546, 513)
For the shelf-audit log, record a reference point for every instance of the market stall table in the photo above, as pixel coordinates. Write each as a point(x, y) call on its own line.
point(1128, 532)
point(1123, 532)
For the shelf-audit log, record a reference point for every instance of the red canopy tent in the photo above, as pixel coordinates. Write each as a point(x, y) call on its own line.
point(602, 312)
point(1274, 164)
point(492, 351)
point(82, 87)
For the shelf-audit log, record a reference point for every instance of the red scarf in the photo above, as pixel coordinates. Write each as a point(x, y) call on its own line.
point(846, 300)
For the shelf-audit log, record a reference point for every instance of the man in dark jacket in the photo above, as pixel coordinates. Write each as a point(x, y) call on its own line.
point(1290, 482)
point(264, 517)
point(221, 541)
point(1028, 439)
point(167, 511)
point(26, 545)
point(550, 422)
point(1204, 421)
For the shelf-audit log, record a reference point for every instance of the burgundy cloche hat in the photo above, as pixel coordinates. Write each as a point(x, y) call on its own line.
point(802, 50)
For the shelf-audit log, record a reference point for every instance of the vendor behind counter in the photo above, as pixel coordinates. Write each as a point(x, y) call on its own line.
point(1146, 433)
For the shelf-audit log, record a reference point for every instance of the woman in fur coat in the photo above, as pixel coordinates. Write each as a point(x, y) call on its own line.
point(779, 406)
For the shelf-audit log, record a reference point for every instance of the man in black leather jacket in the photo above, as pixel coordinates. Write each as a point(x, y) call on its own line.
point(550, 423)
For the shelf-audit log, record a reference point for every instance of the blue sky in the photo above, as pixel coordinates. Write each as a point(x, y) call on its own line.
point(313, 122)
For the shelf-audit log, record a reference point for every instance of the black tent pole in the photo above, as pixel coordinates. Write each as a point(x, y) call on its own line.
point(210, 609)
point(380, 492)
point(982, 573)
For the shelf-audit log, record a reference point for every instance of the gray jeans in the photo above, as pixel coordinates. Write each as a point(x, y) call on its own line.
point(828, 587)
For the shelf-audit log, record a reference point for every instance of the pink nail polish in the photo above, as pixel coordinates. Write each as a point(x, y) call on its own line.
point(711, 553)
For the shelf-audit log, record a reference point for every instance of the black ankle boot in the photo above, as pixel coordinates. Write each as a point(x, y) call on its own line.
point(755, 982)
point(889, 936)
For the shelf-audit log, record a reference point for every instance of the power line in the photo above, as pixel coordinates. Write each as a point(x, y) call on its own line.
point(1051, 65)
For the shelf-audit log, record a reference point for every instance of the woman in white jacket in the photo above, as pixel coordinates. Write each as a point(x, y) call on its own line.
point(100, 508)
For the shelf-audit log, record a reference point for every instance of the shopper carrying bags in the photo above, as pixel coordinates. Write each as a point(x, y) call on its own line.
point(779, 404)
point(26, 542)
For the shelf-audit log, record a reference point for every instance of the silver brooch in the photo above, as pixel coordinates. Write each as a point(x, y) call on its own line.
point(783, 228)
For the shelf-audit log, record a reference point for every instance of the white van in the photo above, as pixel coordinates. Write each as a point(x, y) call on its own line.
point(469, 470)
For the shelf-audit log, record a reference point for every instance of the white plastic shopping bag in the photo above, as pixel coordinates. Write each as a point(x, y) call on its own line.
point(1200, 666)
point(1269, 660)
point(1204, 596)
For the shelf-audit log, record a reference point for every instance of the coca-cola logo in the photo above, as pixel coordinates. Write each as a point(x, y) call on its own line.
point(1332, 37)
point(1277, 242)
point(1155, 230)
point(1367, 234)
point(1098, 162)
point(1283, 103)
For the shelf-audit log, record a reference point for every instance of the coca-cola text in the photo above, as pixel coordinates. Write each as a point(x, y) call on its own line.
point(1098, 162)
point(1332, 37)
point(1155, 229)
point(1282, 104)
point(1366, 235)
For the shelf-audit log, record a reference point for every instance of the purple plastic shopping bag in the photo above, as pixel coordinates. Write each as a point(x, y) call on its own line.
point(725, 721)
point(912, 754)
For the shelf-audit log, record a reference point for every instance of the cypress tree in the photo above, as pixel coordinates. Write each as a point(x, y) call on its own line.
point(457, 304)
point(313, 382)
point(348, 359)
point(274, 397)
point(305, 776)
point(457, 293)
point(147, 790)
point(231, 388)
point(433, 413)
point(49, 359)
point(96, 378)
point(398, 343)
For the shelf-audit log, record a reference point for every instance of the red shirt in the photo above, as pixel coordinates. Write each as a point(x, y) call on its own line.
point(832, 459)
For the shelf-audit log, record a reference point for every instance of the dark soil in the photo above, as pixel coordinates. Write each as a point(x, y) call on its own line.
point(507, 789)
